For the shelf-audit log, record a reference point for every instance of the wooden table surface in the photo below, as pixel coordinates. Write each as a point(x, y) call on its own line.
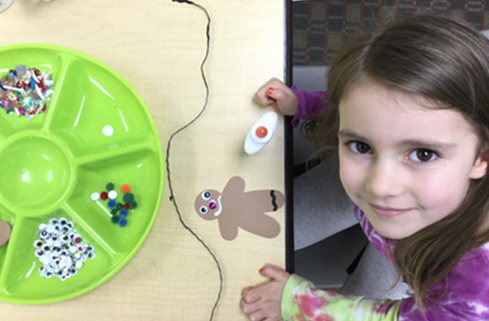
point(158, 46)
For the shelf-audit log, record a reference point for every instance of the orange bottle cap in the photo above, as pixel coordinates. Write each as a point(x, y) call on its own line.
point(261, 132)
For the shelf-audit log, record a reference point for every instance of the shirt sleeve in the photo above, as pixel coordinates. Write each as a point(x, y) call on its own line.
point(310, 105)
point(302, 302)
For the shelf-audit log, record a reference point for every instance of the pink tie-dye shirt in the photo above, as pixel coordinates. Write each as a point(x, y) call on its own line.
point(462, 295)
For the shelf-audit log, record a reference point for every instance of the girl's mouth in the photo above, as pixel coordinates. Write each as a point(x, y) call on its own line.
point(387, 212)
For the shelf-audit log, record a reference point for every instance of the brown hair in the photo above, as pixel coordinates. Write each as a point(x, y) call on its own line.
point(446, 62)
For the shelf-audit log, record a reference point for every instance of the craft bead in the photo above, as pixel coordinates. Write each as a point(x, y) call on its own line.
point(113, 195)
point(95, 196)
point(122, 222)
point(125, 188)
point(110, 186)
point(108, 130)
point(104, 195)
point(128, 198)
point(111, 203)
point(124, 212)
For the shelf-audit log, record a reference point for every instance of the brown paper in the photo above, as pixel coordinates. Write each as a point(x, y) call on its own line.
point(234, 208)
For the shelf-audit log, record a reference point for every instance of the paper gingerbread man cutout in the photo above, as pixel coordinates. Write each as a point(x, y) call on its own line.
point(234, 208)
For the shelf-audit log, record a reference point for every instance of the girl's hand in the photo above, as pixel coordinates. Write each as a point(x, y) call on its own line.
point(263, 301)
point(276, 94)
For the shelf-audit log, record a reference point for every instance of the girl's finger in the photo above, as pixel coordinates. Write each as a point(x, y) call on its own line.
point(258, 315)
point(249, 308)
point(251, 295)
point(274, 272)
point(275, 93)
point(263, 98)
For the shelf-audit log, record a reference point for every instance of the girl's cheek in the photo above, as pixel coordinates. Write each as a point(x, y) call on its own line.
point(351, 176)
point(438, 193)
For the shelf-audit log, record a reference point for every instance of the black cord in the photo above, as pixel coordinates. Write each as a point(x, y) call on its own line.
point(172, 196)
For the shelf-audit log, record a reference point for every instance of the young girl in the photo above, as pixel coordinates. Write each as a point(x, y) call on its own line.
point(408, 114)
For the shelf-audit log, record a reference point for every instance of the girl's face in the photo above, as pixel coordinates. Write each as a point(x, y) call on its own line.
point(405, 165)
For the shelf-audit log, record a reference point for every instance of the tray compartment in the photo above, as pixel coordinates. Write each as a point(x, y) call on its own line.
point(93, 98)
point(43, 59)
point(139, 170)
point(21, 276)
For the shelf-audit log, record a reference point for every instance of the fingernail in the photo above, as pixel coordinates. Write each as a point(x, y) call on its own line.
point(270, 91)
point(261, 270)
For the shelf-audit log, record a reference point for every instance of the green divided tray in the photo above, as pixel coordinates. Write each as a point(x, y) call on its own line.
point(50, 166)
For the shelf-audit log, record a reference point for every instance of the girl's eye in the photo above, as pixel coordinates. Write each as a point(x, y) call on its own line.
point(423, 155)
point(359, 147)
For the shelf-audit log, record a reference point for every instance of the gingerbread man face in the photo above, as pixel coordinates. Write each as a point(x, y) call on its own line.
point(208, 204)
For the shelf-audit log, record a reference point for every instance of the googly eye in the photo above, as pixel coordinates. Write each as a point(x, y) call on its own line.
point(70, 225)
point(50, 228)
point(83, 258)
point(44, 234)
point(63, 221)
point(39, 253)
point(89, 248)
point(49, 275)
point(46, 247)
point(91, 255)
point(58, 227)
point(53, 221)
point(203, 210)
point(45, 259)
point(65, 238)
point(42, 226)
point(206, 195)
point(80, 248)
point(38, 244)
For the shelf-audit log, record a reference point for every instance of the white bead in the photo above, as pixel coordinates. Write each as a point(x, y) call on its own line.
point(113, 195)
point(108, 131)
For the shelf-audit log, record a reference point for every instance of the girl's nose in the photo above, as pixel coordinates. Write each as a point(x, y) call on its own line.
point(384, 179)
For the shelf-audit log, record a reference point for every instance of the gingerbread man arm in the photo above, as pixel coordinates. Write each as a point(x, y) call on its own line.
point(235, 186)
